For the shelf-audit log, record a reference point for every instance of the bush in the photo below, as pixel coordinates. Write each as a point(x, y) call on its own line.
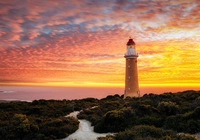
point(193, 126)
point(150, 120)
point(116, 120)
point(112, 121)
point(60, 127)
point(39, 119)
point(144, 132)
point(174, 123)
point(182, 136)
point(109, 137)
point(168, 108)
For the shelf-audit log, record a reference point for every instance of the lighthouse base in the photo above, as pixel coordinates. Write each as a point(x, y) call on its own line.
point(132, 94)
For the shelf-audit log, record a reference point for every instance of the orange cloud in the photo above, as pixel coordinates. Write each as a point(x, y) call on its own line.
point(82, 43)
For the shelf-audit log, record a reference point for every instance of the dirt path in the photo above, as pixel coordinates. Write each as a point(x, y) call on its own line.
point(85, 131)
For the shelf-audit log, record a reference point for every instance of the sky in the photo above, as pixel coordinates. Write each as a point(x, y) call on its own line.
point(81, 43)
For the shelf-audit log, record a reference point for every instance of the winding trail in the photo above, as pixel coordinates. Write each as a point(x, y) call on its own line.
point(85, 130)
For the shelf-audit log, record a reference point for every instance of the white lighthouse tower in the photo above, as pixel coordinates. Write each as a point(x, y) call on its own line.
point(131, 78)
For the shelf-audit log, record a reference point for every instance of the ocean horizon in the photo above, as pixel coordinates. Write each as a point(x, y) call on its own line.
point(30, 93)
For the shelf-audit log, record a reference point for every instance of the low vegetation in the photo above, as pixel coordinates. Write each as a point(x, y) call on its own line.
point(40, 120)
point(152, 116)
point(168, 116)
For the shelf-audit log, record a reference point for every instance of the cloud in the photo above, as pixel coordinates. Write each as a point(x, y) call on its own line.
point(85, 40)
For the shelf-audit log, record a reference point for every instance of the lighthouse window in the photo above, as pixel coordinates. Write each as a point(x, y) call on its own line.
point(129, 66)
point(129, 88)
point(129, 77)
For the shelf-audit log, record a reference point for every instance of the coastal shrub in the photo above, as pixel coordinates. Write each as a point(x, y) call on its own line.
point(19, 127)
point(146, 110)
point(144, 132)
point(193, 126)
point(196, 103)
point(168, 108)
point(126, 135)
point(182, 136)
point(189, 94)
point(93, 115)
point(39, 119)
point(82, 104)
point(196, 113)
point(104, 105)
point(173, 122)
point(110, 105)
point(183, 123)
point(60, 127)
point(116, 120)
point(108, 137)
point(112, 121)
point(150, 120)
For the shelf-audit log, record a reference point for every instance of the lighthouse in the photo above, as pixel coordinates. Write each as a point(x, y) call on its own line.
point(131, 77)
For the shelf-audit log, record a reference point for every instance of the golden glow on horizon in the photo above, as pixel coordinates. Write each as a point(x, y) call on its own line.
point(99, 85)
point(87, 50)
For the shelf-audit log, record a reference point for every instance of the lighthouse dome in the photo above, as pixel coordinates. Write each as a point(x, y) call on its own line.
point(130, 42)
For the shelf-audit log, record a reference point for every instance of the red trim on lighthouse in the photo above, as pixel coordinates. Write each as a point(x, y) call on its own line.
point(130, 42)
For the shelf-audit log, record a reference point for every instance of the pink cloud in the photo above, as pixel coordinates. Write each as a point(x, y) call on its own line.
point(43, 41)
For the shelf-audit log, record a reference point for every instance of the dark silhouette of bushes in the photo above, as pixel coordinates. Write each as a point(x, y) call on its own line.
point(178, 112)
point(149, 117)
point(168, 108)
point(144, 132)
point(188, 122)
point(116, 120)
point(42, 119)
point(104, 105)
point(150, 120)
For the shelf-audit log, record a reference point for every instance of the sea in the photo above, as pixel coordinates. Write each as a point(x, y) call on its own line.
point(30, 93)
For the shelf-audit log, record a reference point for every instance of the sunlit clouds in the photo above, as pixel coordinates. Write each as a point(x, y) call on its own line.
point(82, 43)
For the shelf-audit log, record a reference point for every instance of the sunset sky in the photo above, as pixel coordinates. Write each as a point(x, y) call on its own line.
point(82, 42)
